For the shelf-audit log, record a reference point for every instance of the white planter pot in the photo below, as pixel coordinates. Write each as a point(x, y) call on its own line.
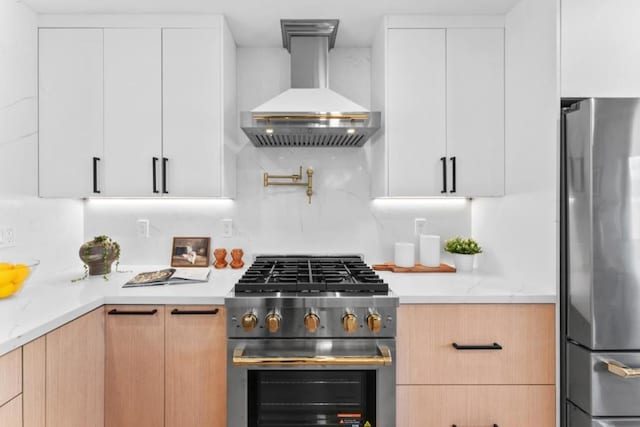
point(463, 263)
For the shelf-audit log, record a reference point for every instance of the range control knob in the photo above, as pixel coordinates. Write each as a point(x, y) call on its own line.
point(311, 322)
point(374, 321)
point(350, 322)
point(273, 320)
point(249, 321)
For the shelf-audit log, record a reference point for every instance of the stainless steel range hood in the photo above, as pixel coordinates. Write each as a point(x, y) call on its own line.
point(309, 114)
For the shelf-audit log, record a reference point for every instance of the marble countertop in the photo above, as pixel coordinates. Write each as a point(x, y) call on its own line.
point(47, 302)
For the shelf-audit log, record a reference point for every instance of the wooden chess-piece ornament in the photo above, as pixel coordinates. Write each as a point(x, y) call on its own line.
point(236, 258)
point(220, 254)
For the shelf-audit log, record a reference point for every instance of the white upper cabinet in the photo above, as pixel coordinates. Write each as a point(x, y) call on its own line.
point(600, 52)
point(415, 111)
point(132, 111)
point(149, 111)
point(475, 111)
point(192, 111)
point(70, 112)
point(441, 91)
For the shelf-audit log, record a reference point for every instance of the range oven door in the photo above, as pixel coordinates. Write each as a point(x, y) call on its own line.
point(311, 382)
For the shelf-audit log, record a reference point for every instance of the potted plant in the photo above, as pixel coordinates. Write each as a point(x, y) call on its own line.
point(463, 251)
point(98, 255)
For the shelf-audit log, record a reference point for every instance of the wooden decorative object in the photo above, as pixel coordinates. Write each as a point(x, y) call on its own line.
point(418, 268)
point(236, 258)
point(221, 255)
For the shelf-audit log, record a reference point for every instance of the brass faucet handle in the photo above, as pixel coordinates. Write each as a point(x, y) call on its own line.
point(266, 179)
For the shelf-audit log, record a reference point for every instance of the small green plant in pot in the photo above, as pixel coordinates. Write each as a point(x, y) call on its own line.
point(98, 255)
point(463, 251)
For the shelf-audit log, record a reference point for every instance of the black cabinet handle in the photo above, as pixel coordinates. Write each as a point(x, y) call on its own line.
point(494, 346)
point(155, 179)
point(177, 312)
point(453, 425)
point(444, 174)
point(165, 161)
point(115, 312)
point(453, 174)
point(95, 175)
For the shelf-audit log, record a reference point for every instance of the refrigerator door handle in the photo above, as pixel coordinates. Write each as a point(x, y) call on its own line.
point(622, 370)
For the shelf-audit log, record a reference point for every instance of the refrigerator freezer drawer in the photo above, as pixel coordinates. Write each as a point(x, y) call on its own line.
point(577, 418)
point(598, 391)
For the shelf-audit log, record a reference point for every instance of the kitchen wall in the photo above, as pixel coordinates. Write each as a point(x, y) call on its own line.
point(519, 231)
point(341, 217)
point(48, 230)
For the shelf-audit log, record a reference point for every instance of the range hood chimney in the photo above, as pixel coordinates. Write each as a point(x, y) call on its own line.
point(309, 114)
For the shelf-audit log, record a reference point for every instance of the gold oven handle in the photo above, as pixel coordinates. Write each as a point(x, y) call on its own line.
point(622, 370)
point(383, 360)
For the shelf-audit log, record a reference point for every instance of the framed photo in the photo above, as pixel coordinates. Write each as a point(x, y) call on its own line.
point(190, 252)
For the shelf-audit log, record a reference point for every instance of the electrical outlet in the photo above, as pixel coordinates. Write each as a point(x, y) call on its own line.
point(227, 228)
point(7, 237)
point(419, 225)
point(10, 236)
point(143, 227)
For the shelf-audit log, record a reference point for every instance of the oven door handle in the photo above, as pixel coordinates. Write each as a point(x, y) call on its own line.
point(384, 359)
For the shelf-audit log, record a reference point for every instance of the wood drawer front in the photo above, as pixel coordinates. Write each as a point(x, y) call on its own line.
point(10, 375)
point(526, 333)
point(134, 366)
point(476, 405)
point(11, 413)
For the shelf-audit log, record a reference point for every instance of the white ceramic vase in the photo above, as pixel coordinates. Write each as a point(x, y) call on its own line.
point(463, 262)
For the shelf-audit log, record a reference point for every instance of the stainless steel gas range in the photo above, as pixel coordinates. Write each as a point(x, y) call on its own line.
point(311, 342)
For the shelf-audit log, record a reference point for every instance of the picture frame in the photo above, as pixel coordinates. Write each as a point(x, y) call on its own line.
point(191, 252)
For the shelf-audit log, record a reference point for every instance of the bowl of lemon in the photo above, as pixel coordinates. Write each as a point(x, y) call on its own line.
point(13, 276)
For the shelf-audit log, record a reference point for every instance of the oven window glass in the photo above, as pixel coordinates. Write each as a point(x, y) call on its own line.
point(312, 398)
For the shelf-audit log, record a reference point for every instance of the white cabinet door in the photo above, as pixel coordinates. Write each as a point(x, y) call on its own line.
point(415, 121)
point(475, 111)
point(132, 111)
point(70, 112)
point(192, 104)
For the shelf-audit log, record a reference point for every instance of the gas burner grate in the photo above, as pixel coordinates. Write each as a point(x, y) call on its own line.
point(310, 274)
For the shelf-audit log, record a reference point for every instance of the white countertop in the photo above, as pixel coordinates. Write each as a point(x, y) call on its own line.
point(48, 302)
point(465, 288)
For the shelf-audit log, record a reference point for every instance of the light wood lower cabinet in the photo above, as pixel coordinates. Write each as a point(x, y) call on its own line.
point(165, 366)
point(34, 383)
point(477, 405)
point(134, 383)
point(10, 375)
point(75, 373)
point(11, 413)
point(196, 366)
point(525, 333)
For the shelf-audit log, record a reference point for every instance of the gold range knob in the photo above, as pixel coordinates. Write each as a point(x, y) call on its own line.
point(350, 322)
point(273, 320)
point(249, 321)
point(374, 321)
point(311, 322)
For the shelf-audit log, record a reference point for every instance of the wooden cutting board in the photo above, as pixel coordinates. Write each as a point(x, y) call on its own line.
point(418, 268)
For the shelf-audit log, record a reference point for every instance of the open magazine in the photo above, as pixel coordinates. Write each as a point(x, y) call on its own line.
point(169, 276)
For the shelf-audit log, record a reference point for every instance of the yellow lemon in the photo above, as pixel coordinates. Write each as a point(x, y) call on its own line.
point(21, 272)
point(5, 266)
point(7, 276)
point(6, 290)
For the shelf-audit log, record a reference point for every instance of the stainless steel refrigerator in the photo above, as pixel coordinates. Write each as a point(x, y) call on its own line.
point(600, 244)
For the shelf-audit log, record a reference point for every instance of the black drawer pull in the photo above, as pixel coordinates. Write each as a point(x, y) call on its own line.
point(494, 346)
point(154, 174)
point(453, 174)
point(95, 175)
point(444, 174)
point(115, 312)
point(453, 425)
point(176, 312)
point(165, 162)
